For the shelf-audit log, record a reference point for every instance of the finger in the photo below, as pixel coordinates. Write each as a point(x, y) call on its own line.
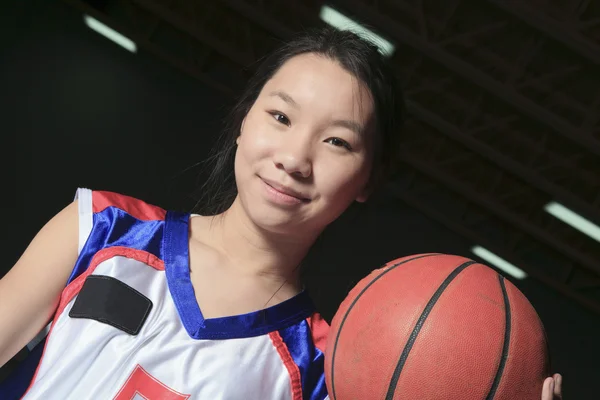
point(558, 385)
point(548, 389)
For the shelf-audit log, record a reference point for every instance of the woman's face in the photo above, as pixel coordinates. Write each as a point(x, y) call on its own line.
point(305, 148)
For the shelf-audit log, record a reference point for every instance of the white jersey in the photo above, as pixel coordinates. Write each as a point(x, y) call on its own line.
point(128, 325)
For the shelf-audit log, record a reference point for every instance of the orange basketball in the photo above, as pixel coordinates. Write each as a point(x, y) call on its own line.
point(435, 327)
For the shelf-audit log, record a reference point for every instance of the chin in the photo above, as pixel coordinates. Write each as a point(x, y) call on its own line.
point(276, 221)
point(289, 223)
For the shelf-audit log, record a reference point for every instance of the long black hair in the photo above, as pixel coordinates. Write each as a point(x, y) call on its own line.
point(358, 56)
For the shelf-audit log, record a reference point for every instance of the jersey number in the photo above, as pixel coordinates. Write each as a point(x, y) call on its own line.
point(145, 386)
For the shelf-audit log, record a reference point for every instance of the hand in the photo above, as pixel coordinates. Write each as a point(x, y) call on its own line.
point(552, 389)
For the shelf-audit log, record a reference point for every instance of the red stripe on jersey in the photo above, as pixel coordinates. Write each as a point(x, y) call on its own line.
point(75, 286)
point(132, 206)
point(289, 363)
point(319, 329)
point(140, 382)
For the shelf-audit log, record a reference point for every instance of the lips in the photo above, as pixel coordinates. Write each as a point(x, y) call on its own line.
point(286, 190)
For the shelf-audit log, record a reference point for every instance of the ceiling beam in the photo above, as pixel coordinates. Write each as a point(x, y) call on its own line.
point(551, 28)
point(501, 212)
point(471, 74)
point(437, 215)
point(525, 174)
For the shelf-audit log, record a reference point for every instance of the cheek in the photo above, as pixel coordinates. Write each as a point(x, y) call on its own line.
point(346, 179)
point(254, 150)
point(257, 138)
point(252, 146)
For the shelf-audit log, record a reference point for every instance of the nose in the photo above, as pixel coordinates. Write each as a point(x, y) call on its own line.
point(294, 158)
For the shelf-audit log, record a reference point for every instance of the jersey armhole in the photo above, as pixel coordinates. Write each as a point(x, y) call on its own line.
point(86, 221)
point(86, 216)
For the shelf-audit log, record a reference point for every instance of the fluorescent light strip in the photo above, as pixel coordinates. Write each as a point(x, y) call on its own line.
point(498, 262)
point(572, 218)
point(110, 33)
point(342, 22)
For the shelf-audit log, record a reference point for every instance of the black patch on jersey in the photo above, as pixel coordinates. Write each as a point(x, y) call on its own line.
point(108, 300)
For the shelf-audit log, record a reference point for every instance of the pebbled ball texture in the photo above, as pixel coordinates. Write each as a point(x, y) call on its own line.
point(435, 327)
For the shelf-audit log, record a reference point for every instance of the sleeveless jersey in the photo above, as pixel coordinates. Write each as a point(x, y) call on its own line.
point(128, 325)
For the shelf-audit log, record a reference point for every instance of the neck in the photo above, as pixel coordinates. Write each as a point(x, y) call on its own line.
point(273, 256)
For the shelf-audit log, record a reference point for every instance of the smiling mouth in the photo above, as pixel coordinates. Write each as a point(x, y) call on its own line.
point(285, 193)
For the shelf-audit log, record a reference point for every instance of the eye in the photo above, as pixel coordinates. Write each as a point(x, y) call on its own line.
point(282, 119)
point(337, 142)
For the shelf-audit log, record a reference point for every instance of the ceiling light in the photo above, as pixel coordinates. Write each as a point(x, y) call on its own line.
point(110, 33)
point(572, 218)
point(342, 22)
point(499, 262)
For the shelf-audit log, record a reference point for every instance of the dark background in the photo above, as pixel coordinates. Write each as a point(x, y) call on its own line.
point(79, 111)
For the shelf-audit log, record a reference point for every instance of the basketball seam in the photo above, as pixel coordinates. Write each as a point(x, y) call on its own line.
point(506, 344)
point(335, 343)
point(413, 336)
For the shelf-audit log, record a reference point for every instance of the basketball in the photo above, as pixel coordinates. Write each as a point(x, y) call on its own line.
point(435, 326)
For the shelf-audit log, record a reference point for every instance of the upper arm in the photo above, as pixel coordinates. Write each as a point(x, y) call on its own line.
point(30, 291)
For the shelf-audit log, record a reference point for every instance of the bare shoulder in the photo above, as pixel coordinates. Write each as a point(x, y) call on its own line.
point(35, 282)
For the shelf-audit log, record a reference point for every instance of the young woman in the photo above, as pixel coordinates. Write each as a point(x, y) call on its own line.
point(171, 305)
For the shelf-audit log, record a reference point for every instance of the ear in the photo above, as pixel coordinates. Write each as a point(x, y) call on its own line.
point(365, 194)
point(363, 197)
point(369, 188)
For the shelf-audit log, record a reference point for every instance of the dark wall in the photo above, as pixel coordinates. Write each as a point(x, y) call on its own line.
point(79, 111)
point(84, 112)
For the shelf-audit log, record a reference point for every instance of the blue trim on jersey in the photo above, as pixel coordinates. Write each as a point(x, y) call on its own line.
point(114, 227)
point(176, 252)
point(308, 358)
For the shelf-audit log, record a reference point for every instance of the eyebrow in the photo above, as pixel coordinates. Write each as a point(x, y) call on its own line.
point(351, 125)
point(285, 97)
